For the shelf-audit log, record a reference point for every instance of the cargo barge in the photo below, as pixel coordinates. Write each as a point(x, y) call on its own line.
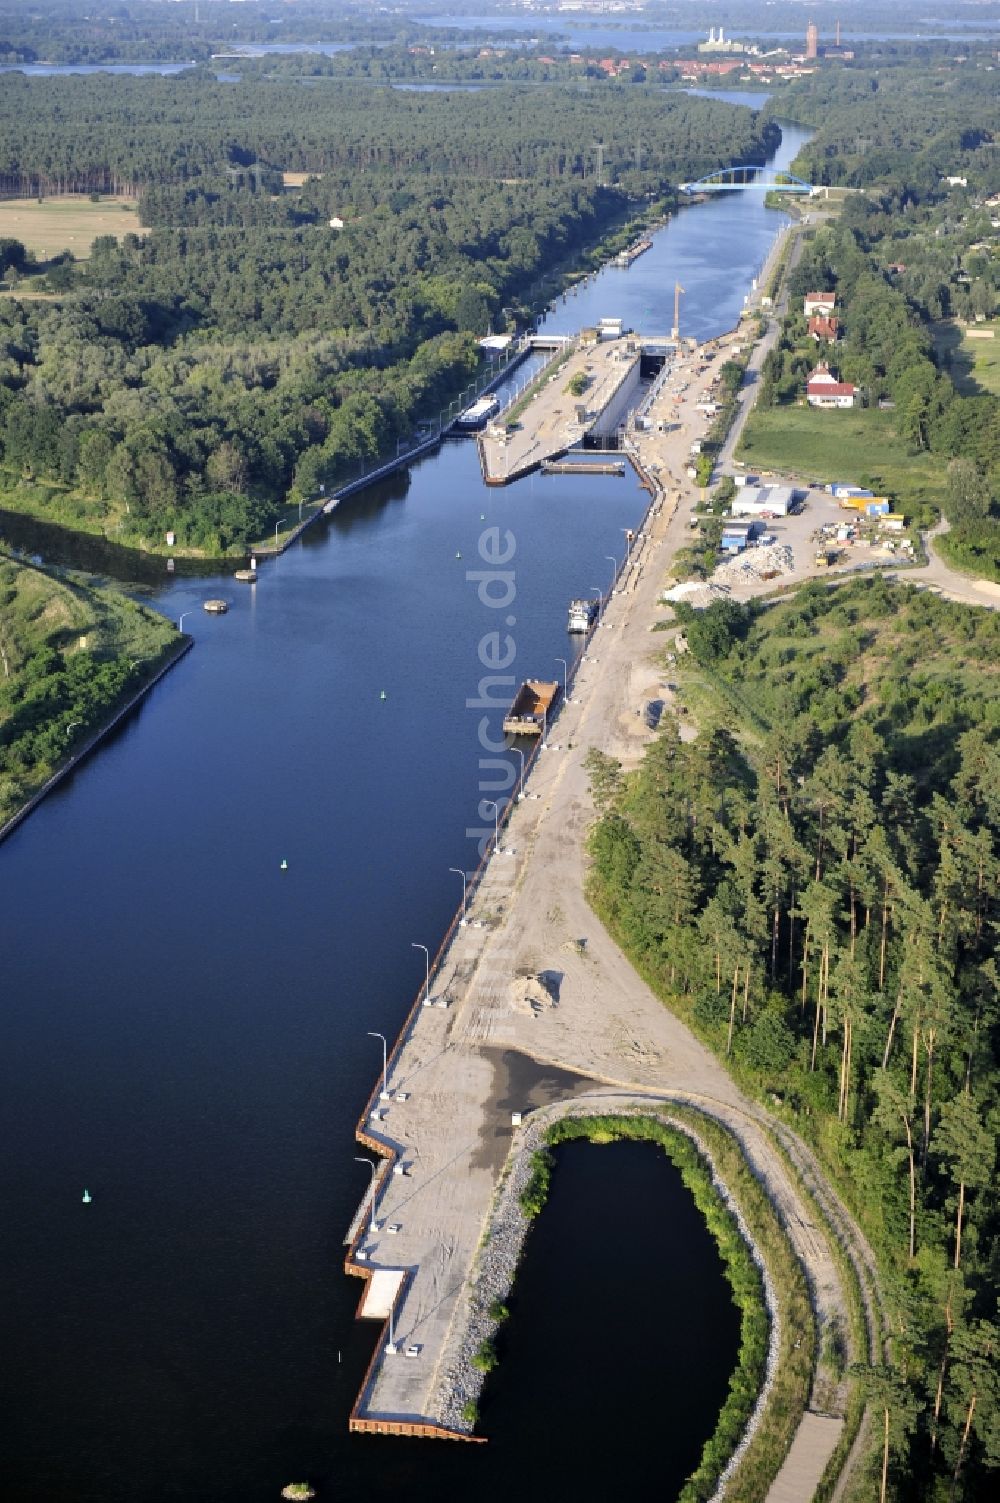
point(529, 713)
point(638, 248)
point(476, 416)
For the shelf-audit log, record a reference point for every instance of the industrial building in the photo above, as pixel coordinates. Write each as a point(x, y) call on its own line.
point(763, 501)
point(736, 536)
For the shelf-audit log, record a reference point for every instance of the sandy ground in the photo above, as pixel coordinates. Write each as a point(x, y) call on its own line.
point(496, 1048)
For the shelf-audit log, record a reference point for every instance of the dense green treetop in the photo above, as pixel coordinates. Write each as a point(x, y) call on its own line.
point(814, 883)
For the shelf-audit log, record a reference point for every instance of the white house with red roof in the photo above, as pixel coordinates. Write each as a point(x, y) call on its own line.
point(822, 303)
point(824, 390)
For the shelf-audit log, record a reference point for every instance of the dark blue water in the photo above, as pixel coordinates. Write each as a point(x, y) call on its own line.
point(713, 249)
point(183, 1024)
point(642, 1349)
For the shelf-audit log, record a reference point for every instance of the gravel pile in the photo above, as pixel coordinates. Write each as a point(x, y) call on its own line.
point(697, 592)
point(756, 563)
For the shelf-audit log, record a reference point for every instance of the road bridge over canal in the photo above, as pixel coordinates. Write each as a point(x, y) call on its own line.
point(747, 175)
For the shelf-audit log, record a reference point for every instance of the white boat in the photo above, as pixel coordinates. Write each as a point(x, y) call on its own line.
point(477, 415)
point(581, 615)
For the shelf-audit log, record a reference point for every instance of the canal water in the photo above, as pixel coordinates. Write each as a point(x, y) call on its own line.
point(184, 1024)
point(713, 249)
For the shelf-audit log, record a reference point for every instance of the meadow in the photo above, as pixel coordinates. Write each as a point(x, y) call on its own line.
point(69, 222)
point(860, 445)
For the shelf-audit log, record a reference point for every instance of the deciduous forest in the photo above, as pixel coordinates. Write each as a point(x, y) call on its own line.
point(246, 348)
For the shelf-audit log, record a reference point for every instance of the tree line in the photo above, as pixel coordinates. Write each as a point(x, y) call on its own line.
point(81, 133)
point(907, 123)
point(246, 349)
point(814, 883)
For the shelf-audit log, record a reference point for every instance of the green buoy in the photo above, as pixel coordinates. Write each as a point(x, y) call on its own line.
point(87, 1197)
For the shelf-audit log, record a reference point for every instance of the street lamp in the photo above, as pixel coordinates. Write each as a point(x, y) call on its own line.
point(520, 786)
point(370, 1166)
point(427, 969)
point(614, 572)
point(384, 1093)
point(465, 889)
point(276, 526)
point(180, 623)
point(565, 673)
point(72, 724)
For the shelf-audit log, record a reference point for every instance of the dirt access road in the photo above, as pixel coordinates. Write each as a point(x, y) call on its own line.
point(464, 1068)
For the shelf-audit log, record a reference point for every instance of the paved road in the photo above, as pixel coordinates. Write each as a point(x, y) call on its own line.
point(751, 379)
point(948, 581)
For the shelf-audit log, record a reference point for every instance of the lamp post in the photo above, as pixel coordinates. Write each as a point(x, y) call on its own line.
point(72, 723)
point(383, 1094)
point(276, 526)
point(565, 673)
point(180, 623)
point(370, 1166)
point(465, 891)
point(614, 572)
point(496, 819)
point(520, 786)
point(427, 969)
point(596, 590)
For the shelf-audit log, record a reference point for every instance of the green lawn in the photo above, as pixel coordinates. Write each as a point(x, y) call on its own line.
point(973, 364)
point(860, 446)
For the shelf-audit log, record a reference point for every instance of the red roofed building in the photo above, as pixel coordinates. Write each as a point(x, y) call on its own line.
point(819, 302)
point(696, 68)
point(824, 390)
point(824, 328)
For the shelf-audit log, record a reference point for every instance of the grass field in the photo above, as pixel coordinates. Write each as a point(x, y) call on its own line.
point(972, 363)
point(70, 222)
point(859, 446)
point(70, 654)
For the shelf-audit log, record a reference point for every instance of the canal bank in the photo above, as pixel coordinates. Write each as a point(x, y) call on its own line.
point(189, 1056)
point(173, 656)
point(438, 1115)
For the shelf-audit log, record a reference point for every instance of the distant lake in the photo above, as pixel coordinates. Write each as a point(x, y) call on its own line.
point(578, 35)
point(754, 99)
point(56, 70)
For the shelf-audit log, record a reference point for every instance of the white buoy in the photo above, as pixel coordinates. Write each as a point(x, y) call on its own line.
point(284, 866)
point(87, 1197)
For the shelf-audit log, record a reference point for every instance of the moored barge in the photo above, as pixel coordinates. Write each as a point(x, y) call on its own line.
point(529, 713)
